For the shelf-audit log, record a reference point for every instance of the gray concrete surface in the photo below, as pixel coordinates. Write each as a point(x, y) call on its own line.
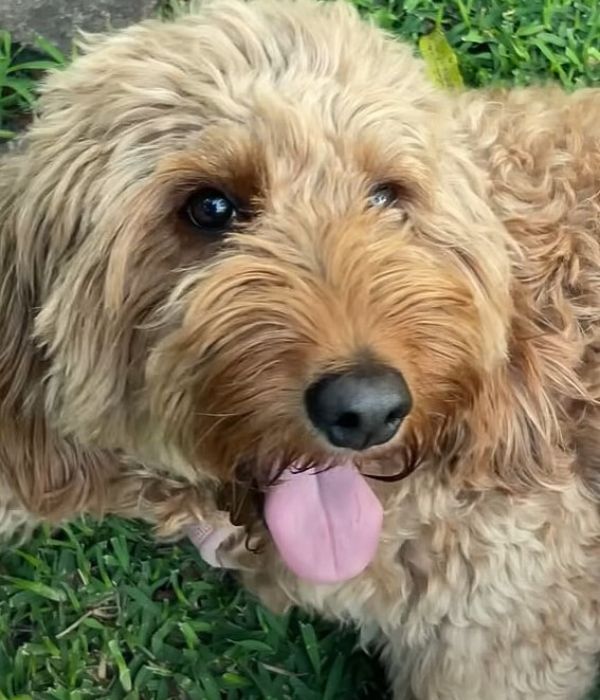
point(58, 20)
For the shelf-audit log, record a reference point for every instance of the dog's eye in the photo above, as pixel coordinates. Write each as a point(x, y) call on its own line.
point(382, 196)
point(210, 210)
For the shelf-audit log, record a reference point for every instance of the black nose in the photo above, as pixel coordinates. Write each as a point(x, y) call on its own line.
point(360, 408)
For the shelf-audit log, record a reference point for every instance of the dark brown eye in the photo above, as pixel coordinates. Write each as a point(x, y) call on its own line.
point(382, 196)
point(211, 211)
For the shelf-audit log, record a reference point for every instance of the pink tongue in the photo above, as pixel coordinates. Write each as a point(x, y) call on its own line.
point(326, 525)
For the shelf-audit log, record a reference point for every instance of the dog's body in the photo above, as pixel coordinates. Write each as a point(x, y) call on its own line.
point(454, 239)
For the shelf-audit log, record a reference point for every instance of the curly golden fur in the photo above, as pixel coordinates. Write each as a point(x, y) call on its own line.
point(142, 363)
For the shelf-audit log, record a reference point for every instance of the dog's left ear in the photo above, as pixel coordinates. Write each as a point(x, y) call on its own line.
point(462, 223)
point(511, 434)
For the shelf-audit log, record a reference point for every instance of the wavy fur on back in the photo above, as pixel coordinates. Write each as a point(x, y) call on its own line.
point(143, 362)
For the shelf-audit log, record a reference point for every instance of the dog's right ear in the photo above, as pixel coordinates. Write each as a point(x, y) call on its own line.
point(17, 296)
point(30, 466)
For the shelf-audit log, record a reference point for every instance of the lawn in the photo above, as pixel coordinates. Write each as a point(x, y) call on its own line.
point(99, 610)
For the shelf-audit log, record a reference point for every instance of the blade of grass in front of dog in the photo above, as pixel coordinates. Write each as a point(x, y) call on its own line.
point(273, 625)
point(311, 645)
point(20, 87)
point(5, 43)
point(301, 691)
point(210, 688)
point(440, 60)
point(254, 645)
point(189, 689)
point(31, 66)
point(39, 589)
point(334, 678)
point(234, 680)
point(124, 675)
point(33, 561)
point(119, 545)
point(55, 53)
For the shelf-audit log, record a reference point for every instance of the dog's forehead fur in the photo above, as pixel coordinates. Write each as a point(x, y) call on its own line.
point(226, 63)
point(285, 79)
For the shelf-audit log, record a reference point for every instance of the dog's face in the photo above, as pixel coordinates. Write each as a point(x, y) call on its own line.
point(257, 235)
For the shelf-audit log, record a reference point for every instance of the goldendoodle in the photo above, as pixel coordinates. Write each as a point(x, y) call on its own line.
point(256, 246)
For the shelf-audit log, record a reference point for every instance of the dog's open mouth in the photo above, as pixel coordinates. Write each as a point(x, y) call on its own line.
point(325, 522)
point(322, 515)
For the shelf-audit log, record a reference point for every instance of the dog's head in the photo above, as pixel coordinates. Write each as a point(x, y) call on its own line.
point(256, 235)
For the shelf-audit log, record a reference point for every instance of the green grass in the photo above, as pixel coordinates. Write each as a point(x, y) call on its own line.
point(20, 69)
point(506, 41)
point(100, 611)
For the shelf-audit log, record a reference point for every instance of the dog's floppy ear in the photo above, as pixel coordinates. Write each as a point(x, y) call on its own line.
point(510, 434)
point(50, 476)
point(513, 435)
point(17, 356)
point(30, 466)
point(44, 474)
point(462, 222)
